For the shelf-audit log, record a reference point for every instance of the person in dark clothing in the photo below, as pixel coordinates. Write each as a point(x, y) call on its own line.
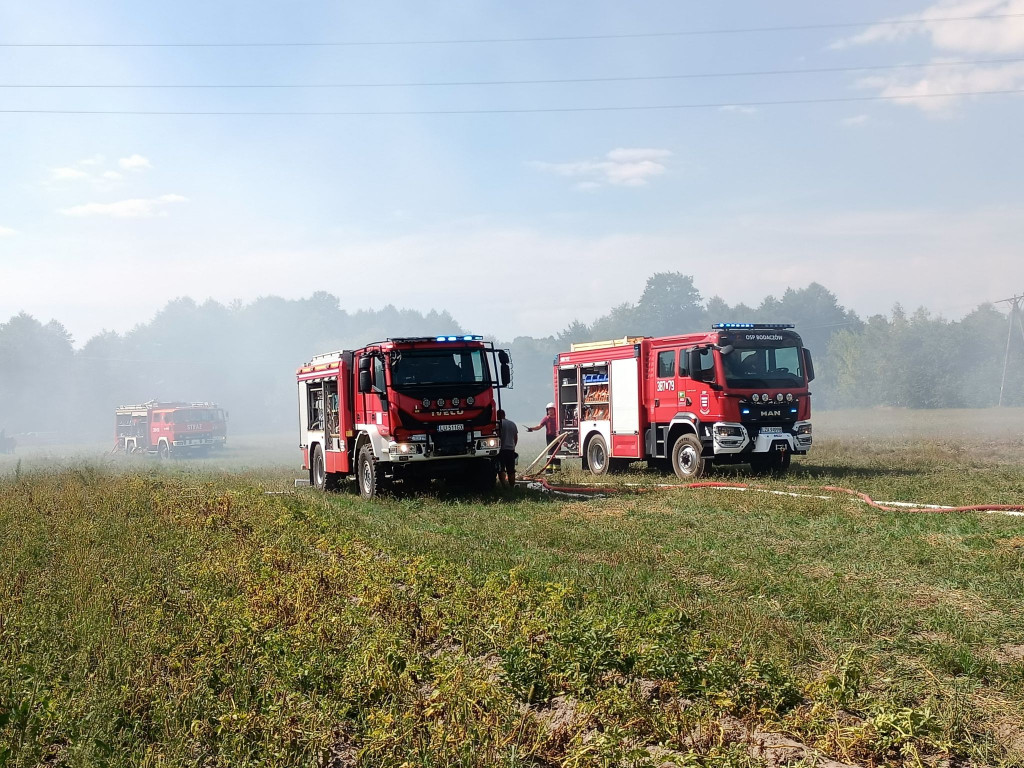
point(509, 434)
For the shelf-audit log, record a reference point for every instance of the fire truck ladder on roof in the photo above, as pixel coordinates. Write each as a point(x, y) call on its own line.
point(625, 341)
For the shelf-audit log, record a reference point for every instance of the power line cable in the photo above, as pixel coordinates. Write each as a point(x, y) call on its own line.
point(527, 110)
point(542, 39)
point(541, 81)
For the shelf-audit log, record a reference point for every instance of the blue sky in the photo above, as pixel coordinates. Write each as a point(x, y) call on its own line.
point(516, 223)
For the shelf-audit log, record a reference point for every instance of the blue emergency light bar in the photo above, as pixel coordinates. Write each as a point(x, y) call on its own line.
point(749, 326)
point(467, 337)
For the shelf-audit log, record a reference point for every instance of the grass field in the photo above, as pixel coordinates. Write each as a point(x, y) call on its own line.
point(209, 614)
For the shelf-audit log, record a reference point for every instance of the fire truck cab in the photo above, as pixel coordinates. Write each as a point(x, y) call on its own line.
point(402, 409)
point(735, 395)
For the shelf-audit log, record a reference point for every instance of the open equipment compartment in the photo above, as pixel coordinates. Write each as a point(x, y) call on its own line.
point(569, 408)
point(595, 392)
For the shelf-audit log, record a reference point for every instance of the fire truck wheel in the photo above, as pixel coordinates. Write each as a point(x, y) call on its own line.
point(774, 462)
point(483, 475)
point(318, 469)
point(366, 473)
point(163, 450)
point(597, 455)
point(687, 460)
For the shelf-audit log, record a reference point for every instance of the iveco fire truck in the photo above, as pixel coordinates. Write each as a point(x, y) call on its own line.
point(735, 395)
point(402, 409)
point(167, 429)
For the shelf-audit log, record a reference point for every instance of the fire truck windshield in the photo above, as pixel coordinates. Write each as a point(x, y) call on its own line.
point(191, 414)
point(424, 367)
point(763, 367)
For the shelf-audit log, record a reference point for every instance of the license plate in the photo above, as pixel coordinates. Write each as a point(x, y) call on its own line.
point(771, 430)
point(451, 427)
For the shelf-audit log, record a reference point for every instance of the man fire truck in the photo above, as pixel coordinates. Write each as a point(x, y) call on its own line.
point(735, 395)
point(407, 408)
point(169, 429)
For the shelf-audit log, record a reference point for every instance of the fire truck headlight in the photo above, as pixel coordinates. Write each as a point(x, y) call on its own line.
point(789, 397)
point(765, 398)
point(455, 402)
point(756, 398)
point(779, 397)
point(726, 430)
point(440, 402)
point(405, 449)
point(804, 429)
point(490, 443)
point(470, 400)
point(425, 402)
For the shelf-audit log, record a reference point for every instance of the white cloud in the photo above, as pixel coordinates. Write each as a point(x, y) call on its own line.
point(638, 155)
point(134, 163)
point(854, 121)
point(992, 36)
point(136, 208)
point(7, 232)
point(625, 167)
point(738, 109)
point(112, 175)
point(1001, 35)
point(67, 173)
point(938, 81)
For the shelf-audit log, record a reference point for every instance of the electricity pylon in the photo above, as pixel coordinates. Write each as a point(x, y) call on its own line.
point(1015, 314)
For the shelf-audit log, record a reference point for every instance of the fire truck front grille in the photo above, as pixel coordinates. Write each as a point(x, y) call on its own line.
point(450, 444)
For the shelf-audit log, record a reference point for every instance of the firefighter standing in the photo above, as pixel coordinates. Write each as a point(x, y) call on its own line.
point(549, 422)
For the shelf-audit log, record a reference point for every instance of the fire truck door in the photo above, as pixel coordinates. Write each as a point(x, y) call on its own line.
point(669, 383)
point(625, 408)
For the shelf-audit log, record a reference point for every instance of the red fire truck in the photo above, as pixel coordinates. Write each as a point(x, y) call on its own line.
point(402, 409)
point(170, 429)
point(735, 395)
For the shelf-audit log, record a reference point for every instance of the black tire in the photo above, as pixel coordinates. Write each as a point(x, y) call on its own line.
point(367, 475)
point(688, 460)
point(163, 450)
point(771, 463)
point(663, 466)
point(598, 460)
point(484, 475)
point(318, 469)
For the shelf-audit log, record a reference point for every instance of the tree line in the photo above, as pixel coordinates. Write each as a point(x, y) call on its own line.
point(243, 356)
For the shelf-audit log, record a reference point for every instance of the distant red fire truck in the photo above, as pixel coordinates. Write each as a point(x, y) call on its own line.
point(402, 409)
point(735, 395)
point(170, 429)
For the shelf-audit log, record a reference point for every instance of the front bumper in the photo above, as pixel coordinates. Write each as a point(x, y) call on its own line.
point(421, 451)
point(194, 442)
point(730, 438)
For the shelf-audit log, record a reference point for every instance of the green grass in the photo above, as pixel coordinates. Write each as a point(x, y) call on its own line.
point(179, 615)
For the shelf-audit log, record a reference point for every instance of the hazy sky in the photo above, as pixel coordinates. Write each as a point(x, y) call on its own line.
point(514, 222)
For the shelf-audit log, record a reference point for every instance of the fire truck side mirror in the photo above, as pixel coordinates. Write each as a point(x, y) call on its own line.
point(808, 364)
point(365, 376)
point(504, 369)
point(693, 363)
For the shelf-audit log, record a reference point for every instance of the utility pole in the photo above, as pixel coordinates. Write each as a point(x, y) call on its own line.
point(1015, 314)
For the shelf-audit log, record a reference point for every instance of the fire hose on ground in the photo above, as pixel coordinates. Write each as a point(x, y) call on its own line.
point(530, 478)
